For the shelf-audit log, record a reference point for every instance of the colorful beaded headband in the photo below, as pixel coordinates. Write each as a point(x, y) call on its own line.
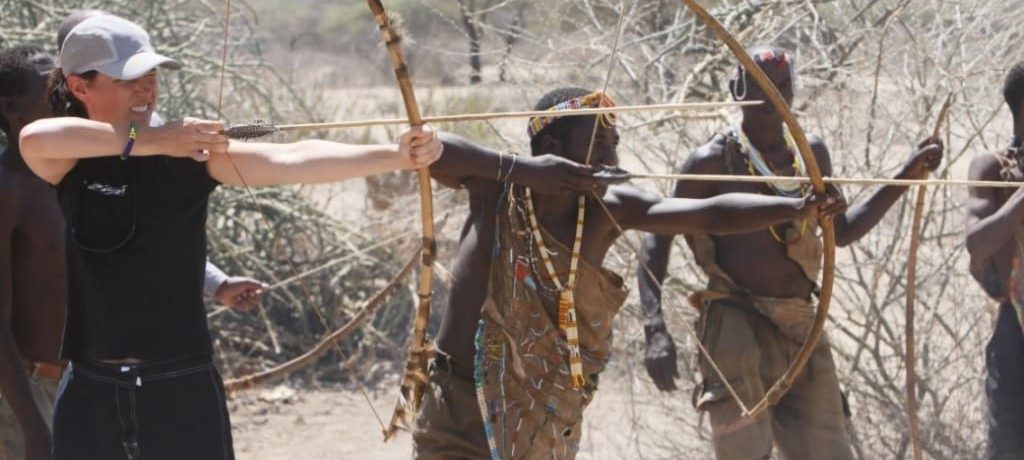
point(590, 101)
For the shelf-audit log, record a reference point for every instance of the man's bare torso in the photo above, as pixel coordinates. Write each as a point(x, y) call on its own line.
point(472, 264)
point(756, 261)
point(999, 267)
point(32, 221)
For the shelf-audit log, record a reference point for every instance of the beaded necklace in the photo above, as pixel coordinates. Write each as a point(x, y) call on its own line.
point(566, 298)
point(756, 165)
point(756, 161)
point(531, 253)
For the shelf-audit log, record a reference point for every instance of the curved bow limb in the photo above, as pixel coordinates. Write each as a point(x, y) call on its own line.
point(910, 354)
point(415, 376)
point(781, 386)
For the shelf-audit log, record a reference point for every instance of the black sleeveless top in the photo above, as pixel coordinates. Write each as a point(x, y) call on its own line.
point(136, 252)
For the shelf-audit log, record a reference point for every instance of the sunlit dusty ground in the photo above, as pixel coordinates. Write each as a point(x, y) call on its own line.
point(626, 421)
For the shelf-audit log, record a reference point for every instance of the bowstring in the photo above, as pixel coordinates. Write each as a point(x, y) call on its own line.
point(600, 200)
point(640, 260)
point(660, 285)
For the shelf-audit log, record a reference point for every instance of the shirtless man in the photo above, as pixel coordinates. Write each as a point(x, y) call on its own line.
point(32, 278)
point(757, 308)
point(500, 289)
point(995, 241)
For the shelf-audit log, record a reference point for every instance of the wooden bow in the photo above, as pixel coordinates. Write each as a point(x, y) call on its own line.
point(415, 377)
point(910, 356)
point(781, 386)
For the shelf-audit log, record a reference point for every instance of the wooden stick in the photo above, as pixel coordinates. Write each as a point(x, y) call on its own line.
point(829, 180)
point(682, 107)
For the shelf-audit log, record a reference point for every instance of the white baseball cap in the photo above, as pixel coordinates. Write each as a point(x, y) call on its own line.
point(113, 46)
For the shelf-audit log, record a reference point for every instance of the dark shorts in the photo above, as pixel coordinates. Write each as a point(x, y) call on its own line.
point(169, 410)
point(1004, 386)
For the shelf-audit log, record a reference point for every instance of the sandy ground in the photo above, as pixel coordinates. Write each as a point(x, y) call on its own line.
point(283, 423)
point(336, 423)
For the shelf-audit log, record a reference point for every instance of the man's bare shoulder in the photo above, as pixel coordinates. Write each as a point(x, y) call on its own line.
point(708, 158)
point(987, 166)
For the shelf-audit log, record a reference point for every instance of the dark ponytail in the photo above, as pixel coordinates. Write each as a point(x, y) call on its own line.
point(62, 101)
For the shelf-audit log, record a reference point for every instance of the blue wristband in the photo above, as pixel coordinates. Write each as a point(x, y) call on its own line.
point(133, 132)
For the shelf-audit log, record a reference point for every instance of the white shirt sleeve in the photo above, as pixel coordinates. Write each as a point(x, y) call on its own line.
point(214, 278)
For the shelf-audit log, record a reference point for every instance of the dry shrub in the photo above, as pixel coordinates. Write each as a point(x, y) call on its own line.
point(280, 231)
point(873, 75)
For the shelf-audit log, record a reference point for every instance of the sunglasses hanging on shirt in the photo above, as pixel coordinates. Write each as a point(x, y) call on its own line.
point(101, 232)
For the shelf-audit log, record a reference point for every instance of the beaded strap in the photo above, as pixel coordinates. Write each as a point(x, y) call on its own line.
point(566, 300)
point(478, 378)
point(133, 132)
point(592, 100)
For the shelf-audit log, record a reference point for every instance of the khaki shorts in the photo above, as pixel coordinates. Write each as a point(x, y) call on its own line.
point(12, 444)
point(809, 422)
point(449, 425)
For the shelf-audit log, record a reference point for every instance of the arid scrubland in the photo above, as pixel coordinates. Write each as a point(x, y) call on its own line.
point(872, 73)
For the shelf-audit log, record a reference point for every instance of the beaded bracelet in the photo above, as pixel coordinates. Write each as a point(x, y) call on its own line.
point(133, 132)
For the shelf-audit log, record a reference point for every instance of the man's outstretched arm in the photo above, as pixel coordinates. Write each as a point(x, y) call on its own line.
point(862, 217)
point(725, 214)
point(550, 174)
